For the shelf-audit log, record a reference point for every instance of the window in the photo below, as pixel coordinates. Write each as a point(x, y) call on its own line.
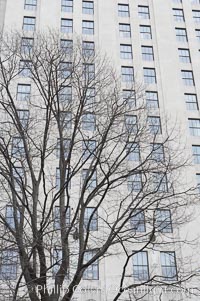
point(57, 217)
point(25, 68)
point(8, 264)
point(30, 4)
point(163, 220)
point(10, 220)
point(133, 151)
point(191, 102)
point(65, 95)
point(184, 55)
point(168, 265)
point(196, 153)
point(181, 34)
point(90, 179)
point(197, 34)
point(27, 45)
point(65, 145)
point(157, 152)
point(23, 92)
point(29, 23)
point(143, 12)
point(149, 75)
point(129, 98)
point(198, 182)
point(126, 51)
point(196, 16)
point(160, 182)
point(57, 260)
point(65, 69)
point(194, 126)
point(152, 99)
point(138, 221)
point(23, 117)
point(89, 149)
point(147, 53)
point(89, 97)
point(127, 74)
point(67, 183)
point(66, 120)
point(89, 72)
point(123, 10)
point(88, 7)
point(187, 77)
point(88, 122)
point(88, 49)
point(178, 15)
point(131, 123)
point(18, 147)
point(88, 27)
point(92, 271)
point(154, 125)
point(67, 5)
point(67, 25)
point(18, 174)
point(66, 46)
point(91, 218)
point(140, 266)
point(124, 30)
point(145, 32)
point(134, 183)
point(57, 178)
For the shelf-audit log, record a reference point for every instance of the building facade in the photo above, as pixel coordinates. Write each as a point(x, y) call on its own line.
point(158, 42)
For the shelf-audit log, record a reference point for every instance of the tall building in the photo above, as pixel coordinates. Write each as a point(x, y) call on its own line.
point(158, 42)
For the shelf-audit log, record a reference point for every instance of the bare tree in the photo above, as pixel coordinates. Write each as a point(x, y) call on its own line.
point(81, 165)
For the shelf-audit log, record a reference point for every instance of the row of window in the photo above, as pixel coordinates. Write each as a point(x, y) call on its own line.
point(65, 70)
point(10, 260)
point(65, 95)
point(87, 6)
point(9, 264)
point(141, 266)
point(66, 6)
point(143, 11)
point(127, 73)
point(88, 124)
point(178, 14)
point(89, 148)
point(181, 34)
point(150, 74)
point(163, 222)
point(29, 24)
point(126, 52)
point(66, 45)
point(157, 180)
point(125, 31)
